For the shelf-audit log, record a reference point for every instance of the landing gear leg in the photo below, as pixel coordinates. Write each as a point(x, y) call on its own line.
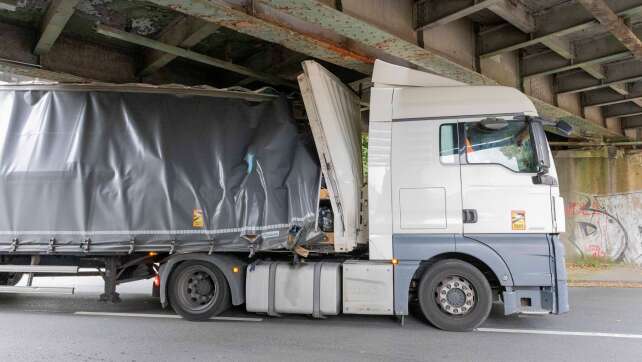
point(110, 295)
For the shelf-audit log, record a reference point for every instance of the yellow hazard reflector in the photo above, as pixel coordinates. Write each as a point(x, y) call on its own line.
point(197, 218)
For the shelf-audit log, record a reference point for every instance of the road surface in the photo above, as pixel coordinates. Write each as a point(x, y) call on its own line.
point(604, 325)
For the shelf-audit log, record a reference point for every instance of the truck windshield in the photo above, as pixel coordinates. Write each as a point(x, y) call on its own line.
point(509, 145)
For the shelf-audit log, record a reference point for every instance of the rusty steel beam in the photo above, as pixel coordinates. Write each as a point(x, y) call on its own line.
point(70, 61)
point(262, 24)
point(618, 75)
point(615, 24)
point(197, 57)
point(315, 12)
point(565, 19)
point(330, 19)
point(588, 59)
point(184, 32)
point(621, 110)
point(515, 13)
point(38, 72)
point(632, 122)
point(238, 19)
point(431, 14)
point(56, 17)
point(601, 98)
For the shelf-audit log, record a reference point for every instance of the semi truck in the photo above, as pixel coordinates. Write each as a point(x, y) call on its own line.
point(461, 208)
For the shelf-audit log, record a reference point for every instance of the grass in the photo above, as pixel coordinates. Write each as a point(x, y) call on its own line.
point(591, 262)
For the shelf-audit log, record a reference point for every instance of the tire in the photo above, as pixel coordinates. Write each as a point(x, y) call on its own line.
point(465, 296)
point(198, 290)
point(10, 279)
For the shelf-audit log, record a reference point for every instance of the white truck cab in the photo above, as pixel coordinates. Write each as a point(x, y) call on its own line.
point(462, 193)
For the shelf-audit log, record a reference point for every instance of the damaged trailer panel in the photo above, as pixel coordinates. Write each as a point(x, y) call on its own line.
point(116, 171)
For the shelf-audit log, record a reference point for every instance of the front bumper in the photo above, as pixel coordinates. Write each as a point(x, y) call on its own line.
point(544, 299)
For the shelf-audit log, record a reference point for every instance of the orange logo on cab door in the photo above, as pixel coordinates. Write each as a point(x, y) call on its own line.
point(518, 219)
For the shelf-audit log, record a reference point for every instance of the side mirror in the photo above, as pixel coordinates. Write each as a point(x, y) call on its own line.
point(541, 146)
point(564, 127)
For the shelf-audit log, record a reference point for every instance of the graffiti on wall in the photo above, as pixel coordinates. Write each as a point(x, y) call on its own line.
point(608, 226)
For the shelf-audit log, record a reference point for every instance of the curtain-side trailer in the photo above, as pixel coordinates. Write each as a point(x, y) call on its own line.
point(461, 207)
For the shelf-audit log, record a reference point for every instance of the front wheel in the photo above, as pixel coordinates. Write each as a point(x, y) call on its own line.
point(455, 295)
point(198, 290)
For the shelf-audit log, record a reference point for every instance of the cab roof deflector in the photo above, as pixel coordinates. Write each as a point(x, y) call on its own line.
point(386, 74)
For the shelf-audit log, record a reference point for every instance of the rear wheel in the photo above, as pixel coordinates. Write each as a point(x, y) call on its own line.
point(10, 279)
point(198, 290)
point(454, 295)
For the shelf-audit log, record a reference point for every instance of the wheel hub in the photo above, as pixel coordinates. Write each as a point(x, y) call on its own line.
point(199, 289)
point(455, 295)
point(203, 287)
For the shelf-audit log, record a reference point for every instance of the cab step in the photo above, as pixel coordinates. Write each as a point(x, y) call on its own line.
point(36, 290)
point(535, 312)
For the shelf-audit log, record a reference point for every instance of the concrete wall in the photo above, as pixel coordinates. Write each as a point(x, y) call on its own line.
point(392, 16)
point(540, 87)
point(602, 189)
point(614, 124)
point(594, 114)
point(454, 41)
point(504, 68)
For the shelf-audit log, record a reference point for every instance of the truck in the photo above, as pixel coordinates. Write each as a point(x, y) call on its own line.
point(461, 208)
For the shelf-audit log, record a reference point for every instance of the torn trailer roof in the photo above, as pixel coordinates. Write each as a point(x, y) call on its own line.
point(121, 169)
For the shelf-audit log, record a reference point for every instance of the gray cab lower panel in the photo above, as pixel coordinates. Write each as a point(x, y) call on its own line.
point(519, 261)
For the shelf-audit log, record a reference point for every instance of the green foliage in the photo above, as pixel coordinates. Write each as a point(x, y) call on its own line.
point(593, 262)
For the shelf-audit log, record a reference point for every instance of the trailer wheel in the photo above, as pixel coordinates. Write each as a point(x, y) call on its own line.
point(10, 279)
point(198, 290)
point(455, 296)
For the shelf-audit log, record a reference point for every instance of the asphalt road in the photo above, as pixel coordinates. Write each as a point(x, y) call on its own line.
point(604, 325)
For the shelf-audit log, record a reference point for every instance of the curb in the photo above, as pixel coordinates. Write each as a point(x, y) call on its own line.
point(603, 284)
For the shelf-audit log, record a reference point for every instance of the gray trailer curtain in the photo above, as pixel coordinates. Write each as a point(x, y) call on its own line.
point(105, 171)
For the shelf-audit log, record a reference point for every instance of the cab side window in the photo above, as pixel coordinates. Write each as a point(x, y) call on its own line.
point(508, 144)
point(448, 143)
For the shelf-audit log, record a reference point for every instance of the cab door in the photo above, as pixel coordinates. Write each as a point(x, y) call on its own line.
point(503, 207)
point(498, 163)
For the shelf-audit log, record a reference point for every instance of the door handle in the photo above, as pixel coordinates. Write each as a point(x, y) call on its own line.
point(469, 216)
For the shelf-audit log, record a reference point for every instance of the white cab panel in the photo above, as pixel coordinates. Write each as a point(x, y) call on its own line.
point(367, 287)
point(459, 102)
point(379, 175)
point(426, 195)
point(335, 119)
point(395, 75)
point(422, 208)
point(558, 212)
